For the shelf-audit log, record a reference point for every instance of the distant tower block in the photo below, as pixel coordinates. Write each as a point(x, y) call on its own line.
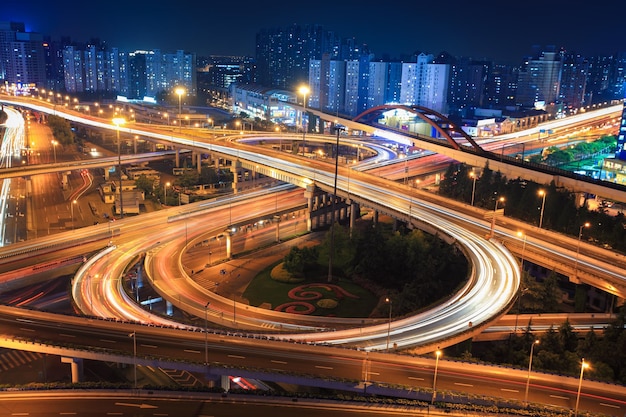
point(620, 152)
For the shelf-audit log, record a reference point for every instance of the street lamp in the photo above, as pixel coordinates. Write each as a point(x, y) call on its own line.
point(304, 90)
point(542, 194)
point(530, 364)
point(522, 290)
point(206, 332)
point(72, 210)
point(117, 122)
point(583, 365)
point(493, 219)
point(134, 336)
point(167, 184)
point(388, 300)
point(473, 176)
point(54, 149)
point(332, 216)
point(180, 91)
point(438, 354)
point(580, 235)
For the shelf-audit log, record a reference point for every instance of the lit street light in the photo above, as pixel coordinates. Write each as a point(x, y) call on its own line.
point(206, 332)
point(388, 300)
point(54, 149)
point(180, 91)
point(304, 90)
point(117, 122)
point(583, 365)
point(134, 336)
point(438, 354)
point(530, 364)
point(167, 184)
point(493, 219)
point(72, 210)
point(580, 235)
point(338, 129)
point(542, 194)
point(473, 176)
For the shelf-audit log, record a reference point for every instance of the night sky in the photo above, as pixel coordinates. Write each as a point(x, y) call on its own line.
point(500, 30)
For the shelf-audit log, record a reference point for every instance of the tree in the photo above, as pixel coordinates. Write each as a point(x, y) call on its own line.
point(145, 184)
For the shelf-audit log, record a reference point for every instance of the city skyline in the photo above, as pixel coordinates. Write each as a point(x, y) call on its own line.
point(488, 30)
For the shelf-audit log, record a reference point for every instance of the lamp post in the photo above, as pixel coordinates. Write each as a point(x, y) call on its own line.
point(580, 235)
point(72, 210)
point(493, 219)
point(117, 122)
point(388, 300)
point(206, 332)
point(530, 364)
point(304, 90)
point(437, 354)
point(338, 129)
point(54, 149)
point(473, 176)
point(583, 365)
point(134, 336)
point(167, 184)
point(180, 91)
point(522, 290)
point(542, 194)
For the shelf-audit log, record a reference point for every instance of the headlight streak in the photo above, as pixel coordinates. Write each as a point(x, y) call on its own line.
point(497, 278)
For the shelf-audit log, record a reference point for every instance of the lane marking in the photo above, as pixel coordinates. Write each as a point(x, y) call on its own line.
point(67, 335)
point(149, 346)
point(560, 397)
point(237, 356)
point(610, 405)
point(463, 384)
point(191, 351)
point(280, 362)
point(416, 378)
point(323, 367)
point(108, 341)
point(508, 390)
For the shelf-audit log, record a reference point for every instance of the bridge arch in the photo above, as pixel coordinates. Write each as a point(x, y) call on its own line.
point(444, 126)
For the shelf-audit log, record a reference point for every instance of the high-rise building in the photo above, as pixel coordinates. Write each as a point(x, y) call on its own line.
point(22, 57)
point(539, 79)
point(573, 80)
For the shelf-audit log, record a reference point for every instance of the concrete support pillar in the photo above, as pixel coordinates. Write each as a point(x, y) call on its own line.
point(135, 145)
point(309, 194)
point(235, 168)
point(106, 173)
point(177, 158)
point(229, 241)
point(76, 366)
point(225, 382)
point(375, 217)
point(353, 209)
point(199, 161)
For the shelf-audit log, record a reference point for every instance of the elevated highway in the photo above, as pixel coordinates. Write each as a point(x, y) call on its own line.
point(372, 123)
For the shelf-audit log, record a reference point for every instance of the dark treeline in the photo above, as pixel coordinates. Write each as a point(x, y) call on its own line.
point(523, 202)
point(560, 350)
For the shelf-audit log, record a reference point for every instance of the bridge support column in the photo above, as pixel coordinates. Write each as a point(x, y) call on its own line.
point(106, 173)
point(225, 382)
point(375, 217)
point(135, 145)
point(353, 209)
point(77, 368)
point(177, 158)
point(199, 161)
point(229, 241)
point(309, 192)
